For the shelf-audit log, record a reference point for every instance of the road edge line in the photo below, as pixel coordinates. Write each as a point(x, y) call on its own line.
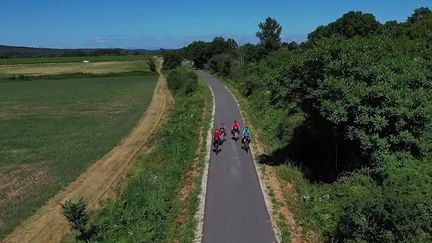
point(199, 216)
point(264, 191)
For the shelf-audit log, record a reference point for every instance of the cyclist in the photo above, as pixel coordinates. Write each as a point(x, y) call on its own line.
point(235, 127)
point(246, 135)
point(222, 129)
point(217, 137)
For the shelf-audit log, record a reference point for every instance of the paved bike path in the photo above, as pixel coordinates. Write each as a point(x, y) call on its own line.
point(235, 210)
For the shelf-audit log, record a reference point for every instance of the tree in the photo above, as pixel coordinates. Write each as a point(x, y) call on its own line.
point(419, 14)
point(420, 30)
point(269, 34)
point(350, 25)
point(392, 28)
point(219, 45)
point(251, 53)
point(200, 52)
point(152, 64)
point(231, 44)
point(419, 24)
point(172, 59)
point(320, 32)
point(221, 63)
point(291, 45)
point(356, 24)
point(78, 217)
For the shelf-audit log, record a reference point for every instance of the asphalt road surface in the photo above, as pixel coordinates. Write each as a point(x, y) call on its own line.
point(235, 210)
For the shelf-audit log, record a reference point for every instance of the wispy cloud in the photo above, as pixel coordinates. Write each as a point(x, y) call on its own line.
point(117, 36)
point(149, 42)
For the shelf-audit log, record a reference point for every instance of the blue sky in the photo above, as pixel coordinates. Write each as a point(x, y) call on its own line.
point(173, 24)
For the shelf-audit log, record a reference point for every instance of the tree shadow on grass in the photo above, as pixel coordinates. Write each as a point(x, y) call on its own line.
point(317, 150)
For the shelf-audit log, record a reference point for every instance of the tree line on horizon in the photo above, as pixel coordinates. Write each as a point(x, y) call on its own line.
point(351, 109)
point(7, 52)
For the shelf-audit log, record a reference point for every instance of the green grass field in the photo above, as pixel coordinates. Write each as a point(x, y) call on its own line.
point(52, 130)
point(40, 60)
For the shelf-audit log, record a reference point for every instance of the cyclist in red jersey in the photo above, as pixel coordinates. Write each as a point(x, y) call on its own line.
point(217, 136)
point(236, 127)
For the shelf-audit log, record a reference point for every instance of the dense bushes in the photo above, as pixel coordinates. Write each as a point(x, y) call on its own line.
point(182, 81)
point(390, 204)
point(371, 93)
point(397, 209)
point(222, 64)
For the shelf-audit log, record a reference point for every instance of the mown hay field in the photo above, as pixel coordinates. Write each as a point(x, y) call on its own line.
point(39, 60)
point(73, 67)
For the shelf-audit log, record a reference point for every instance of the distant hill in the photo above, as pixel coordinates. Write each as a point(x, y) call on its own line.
point(20, 51)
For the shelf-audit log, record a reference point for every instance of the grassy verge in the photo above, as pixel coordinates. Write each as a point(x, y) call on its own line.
point(148, 207)
point(10, 61)
point(182, 219)
point(52, 130)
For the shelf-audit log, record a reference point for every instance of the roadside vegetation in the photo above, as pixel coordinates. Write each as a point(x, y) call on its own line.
point(182, 81)
point(53, 129)
point(152, 206)
point(346, 118)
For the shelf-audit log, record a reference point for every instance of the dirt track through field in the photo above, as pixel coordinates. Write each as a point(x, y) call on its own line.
point(98, 182)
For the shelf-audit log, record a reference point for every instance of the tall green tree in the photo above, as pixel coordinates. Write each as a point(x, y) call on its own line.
point(269, 34)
